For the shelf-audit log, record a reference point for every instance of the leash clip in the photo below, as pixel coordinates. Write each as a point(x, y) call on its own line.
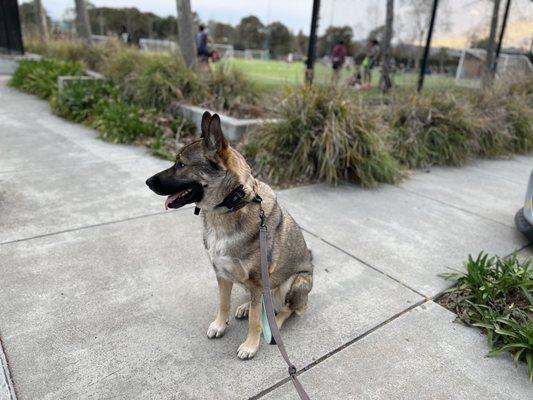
point(262, 216)
point(292, 370)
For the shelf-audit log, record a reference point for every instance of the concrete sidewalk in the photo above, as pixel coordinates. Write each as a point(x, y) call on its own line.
point(105, 295)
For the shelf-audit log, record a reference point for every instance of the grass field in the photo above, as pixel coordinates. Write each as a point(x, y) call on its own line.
point(273, 74)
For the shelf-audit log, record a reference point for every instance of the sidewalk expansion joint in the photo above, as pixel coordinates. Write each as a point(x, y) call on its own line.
point(5, 376)
point(364, 263)
point(82, 228)
point(455, 207)
point(338, 349)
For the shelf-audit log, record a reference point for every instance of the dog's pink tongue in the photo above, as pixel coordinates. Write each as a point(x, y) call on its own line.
point(170, 199)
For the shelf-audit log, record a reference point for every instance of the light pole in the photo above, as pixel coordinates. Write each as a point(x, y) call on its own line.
point(502, 32)
point(312, 43)
point(428, 45)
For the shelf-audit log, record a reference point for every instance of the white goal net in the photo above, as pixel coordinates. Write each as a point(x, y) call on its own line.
point(510, 66)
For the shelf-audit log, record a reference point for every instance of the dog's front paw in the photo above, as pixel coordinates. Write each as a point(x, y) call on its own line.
point(247, 350)
point(216, 329)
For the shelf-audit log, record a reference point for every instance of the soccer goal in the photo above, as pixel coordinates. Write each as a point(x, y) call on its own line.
point(158, 45)
point(472, 63)
point(226, 50)
point(251, 54)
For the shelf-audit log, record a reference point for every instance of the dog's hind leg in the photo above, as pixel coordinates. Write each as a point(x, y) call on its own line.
point(296, 298)
point(242, 311)
point(218, 326)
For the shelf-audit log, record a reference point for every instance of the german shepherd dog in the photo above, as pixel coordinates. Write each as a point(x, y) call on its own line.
point(207, 172)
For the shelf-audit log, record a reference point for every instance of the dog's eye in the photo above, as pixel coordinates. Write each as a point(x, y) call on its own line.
point(179, 164)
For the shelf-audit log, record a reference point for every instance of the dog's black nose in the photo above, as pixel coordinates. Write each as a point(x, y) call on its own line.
point(152, 181)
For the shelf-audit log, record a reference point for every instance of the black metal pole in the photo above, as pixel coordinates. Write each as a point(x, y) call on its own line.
point(502, 32)
point(3, 13)
point(428, 45)
point(311, 50)
point(18, 26)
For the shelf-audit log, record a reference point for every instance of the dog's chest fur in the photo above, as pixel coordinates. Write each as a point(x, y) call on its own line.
point(222, 245)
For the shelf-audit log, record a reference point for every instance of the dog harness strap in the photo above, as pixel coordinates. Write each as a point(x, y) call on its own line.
point(267, 301)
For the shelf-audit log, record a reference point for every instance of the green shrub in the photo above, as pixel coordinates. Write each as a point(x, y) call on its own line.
point(495, 294)
point(78, 99)
point(40, 77)
point(323, 135)
point(121, 122)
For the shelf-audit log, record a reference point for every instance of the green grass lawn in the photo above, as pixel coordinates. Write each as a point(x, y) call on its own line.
point(273, 74)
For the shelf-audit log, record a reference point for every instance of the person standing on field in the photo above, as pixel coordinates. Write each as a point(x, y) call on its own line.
point(203, 40)
point(338, 56)
point(370, 60)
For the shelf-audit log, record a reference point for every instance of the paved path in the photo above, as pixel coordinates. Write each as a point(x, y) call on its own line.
point(104, 295)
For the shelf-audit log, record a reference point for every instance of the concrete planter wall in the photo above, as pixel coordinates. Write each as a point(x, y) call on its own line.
point(9, 63)
point(89, 76)
point(233, 128)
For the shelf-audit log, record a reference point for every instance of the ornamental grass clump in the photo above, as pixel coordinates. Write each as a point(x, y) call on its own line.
point(520, 120)
point(324, 134)
point(158, 80)
point(230, 91)
point(433, 128)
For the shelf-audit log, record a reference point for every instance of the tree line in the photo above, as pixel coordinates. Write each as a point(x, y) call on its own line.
point(249, 33)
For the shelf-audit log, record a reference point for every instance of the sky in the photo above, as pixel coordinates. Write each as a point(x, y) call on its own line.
point(458, 18)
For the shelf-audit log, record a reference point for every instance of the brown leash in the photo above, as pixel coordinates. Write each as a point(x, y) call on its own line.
point(267, 300)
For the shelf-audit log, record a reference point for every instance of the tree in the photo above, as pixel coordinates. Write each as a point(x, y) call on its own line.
point(385, 82)
point(377, 33)
point(105, 20)
point(249, 34)
point(479, 43)
point(333, 35)
point(28, 19)
point(82, 21)
point(488, 72)
point(185, 32)
point(280, 39)
point(42, 23)
point(300, 42)
point(221, 33)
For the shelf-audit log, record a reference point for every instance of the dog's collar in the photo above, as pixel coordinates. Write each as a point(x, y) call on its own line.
point(235, 200)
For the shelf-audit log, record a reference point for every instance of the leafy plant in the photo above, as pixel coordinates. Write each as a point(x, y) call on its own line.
point(323, 135)
point(40, 77)
point(121, 122)
point(78, 99)
point(495, 294)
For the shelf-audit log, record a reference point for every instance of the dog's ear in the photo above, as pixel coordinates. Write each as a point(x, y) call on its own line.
point(206, 119)
point(214, 139)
